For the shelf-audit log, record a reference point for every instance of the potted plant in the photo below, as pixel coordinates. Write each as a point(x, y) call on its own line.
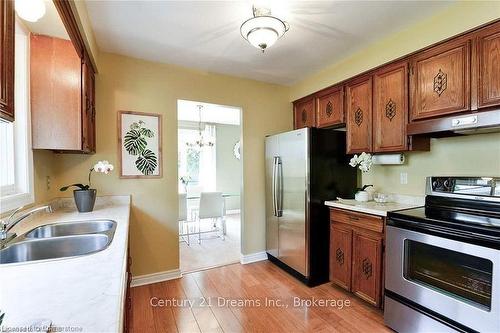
point(364, 163)
point(84, 195)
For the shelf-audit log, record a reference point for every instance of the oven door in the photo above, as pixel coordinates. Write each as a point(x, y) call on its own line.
point(450, 277)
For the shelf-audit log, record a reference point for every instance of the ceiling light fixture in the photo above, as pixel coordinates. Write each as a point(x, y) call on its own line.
point(200, 142)
point(30, 10)
point(263, 29)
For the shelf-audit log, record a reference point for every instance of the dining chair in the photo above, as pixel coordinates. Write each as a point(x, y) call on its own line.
point(212, 207)
point(183, 226)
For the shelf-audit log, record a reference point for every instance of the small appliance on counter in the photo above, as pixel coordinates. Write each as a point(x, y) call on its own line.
point(443, 260)
point(304, 168)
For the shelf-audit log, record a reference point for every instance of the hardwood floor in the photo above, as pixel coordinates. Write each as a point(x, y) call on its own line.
point(265, 299)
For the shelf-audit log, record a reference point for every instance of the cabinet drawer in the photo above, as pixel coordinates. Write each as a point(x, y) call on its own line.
point(360, 220)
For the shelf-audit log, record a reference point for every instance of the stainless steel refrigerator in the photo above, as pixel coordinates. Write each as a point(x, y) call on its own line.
point(304, 168)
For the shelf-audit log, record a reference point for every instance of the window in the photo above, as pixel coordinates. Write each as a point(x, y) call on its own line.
point(16, 157)
point(197, 166)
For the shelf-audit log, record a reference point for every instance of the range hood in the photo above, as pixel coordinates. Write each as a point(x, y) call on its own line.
point(463, 124)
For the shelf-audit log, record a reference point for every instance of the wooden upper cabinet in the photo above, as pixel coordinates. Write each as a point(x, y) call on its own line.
point(359, 115)
point(304, 113)
point(88, 102)
point(63, 112)
point(487, 67)
point(330, 107)
point(7, 29)
point(440, 80)
point(390, 108)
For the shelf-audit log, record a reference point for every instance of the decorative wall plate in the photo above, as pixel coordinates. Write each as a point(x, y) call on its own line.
point(237, 150)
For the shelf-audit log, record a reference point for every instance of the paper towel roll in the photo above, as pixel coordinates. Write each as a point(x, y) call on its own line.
point(389, 159)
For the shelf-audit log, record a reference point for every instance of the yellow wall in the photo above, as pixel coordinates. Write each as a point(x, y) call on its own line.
point(43, 167)
point(129, 84)
point(475, 155)
point(471, 155)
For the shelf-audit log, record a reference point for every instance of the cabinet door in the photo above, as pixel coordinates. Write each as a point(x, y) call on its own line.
point(56, 108)
point(330, 107)
point(88, 114)
point(340, 256)
point(487, 71)
point(390, 108)
point(367, 267)
point(359, 115)
point(304, 113)
point(440, 80)
point(7, 60)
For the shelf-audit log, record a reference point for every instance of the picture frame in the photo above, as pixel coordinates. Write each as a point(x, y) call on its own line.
point(139, 144)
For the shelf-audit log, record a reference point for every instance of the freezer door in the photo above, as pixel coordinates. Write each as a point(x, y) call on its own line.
point(293, 199)
point(272, 152)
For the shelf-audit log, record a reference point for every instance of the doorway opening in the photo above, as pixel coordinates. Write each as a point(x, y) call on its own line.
point(210, 178)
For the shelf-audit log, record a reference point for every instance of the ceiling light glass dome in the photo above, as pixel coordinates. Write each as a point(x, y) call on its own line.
point(30, 10)
point(263, 30)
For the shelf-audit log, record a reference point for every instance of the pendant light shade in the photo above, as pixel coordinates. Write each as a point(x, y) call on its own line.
point(263, 30)
point(30, 10)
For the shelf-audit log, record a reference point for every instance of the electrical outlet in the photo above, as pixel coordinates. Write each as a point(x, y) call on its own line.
point(403, 178)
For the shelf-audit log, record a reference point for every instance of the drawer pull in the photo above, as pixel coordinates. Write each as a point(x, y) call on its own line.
point(353, 218)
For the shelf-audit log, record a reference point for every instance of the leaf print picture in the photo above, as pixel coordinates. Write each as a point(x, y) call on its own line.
point(139, 144)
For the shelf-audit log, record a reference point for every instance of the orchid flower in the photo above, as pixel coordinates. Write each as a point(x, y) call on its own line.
point(101, 166)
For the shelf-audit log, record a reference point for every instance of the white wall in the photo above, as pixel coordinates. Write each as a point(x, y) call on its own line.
point(229, 176)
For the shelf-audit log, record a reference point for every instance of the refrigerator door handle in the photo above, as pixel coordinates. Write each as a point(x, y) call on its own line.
point(280, 189)
point(274, 185)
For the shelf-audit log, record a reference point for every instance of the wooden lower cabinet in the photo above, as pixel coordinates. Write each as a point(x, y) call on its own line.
point(340, 256)
point(367, 266)
point(356, 254)
point(128, 298)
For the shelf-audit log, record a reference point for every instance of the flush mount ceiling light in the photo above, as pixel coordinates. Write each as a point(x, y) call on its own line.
point(263, 29)
point(30, 10)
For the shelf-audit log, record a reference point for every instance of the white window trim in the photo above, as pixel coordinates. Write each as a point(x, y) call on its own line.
point(22, 131)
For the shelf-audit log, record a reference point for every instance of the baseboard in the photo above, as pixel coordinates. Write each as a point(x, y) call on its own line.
point(253, 257)
point(155, 277)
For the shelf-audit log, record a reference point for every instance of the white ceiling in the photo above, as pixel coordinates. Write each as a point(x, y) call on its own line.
point(205, 34)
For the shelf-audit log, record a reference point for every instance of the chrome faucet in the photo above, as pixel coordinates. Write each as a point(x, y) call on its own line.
point(11, 221)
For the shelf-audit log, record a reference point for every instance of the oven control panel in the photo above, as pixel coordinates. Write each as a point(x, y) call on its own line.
point(467, 186)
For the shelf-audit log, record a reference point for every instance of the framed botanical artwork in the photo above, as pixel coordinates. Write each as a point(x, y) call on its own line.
point(139, 144)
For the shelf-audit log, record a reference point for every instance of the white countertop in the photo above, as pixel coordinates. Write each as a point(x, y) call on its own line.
point(380, 209)
point(85, 292)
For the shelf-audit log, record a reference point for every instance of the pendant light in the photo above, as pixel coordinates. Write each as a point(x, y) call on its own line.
point(200, 142)
point(263, 29)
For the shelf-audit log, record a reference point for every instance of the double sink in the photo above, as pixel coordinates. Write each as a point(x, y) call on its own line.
point(60, 240)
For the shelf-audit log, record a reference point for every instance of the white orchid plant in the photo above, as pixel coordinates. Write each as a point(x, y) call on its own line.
point(364, 162)
point(101, 166)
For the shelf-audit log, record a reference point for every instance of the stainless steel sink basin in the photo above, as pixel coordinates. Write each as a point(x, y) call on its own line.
point(71, 228)
point(51, 248)
point(59, 240)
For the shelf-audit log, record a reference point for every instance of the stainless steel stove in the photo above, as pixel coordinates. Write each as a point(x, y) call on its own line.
point(443, 260)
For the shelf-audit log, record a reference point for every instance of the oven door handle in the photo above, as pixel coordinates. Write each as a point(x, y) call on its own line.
point(455, 234)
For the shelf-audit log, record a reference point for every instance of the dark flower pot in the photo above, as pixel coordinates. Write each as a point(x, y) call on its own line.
point(85, 199)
